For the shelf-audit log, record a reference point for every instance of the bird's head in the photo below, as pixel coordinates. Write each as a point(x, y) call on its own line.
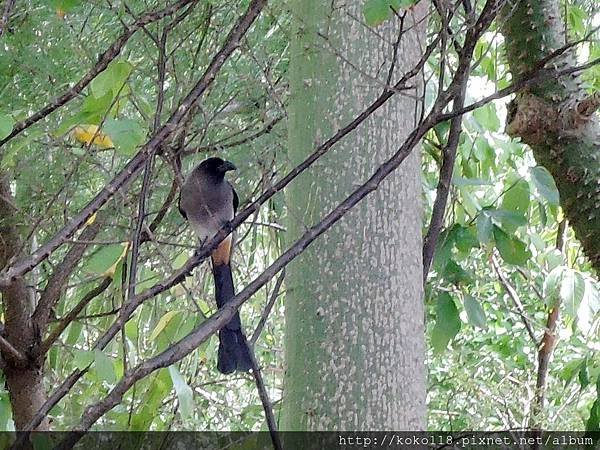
point(215, 167)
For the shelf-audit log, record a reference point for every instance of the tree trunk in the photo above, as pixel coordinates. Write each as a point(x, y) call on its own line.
point(556, 118)
point(354, 337)
point(24, 377)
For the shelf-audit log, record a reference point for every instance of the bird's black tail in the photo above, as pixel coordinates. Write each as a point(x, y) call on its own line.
point(234, 353)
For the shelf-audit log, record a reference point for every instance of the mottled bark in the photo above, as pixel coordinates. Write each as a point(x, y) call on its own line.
point(556, 118)
point(24, 379)
point(354, 337)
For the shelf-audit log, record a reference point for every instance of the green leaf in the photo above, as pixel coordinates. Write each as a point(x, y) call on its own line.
point(512, 250)
point(65, 5)
point(487, 117)
point(456, 275)
point(484, 227)
point(475, 312)
point(93, 111)
point(6, 125)
point(103, 259)
point(447, 323)
point(162, 323)
point(82, 358)
point(184, 393)
point(572, 290)
point(112, 79)
point(551, 286)
point(126, 134)
point(584, 377)
point(74, 333)
point(516, 201)
point(544, 184)
point(465, 238)
point(378, 11)
point(502, 217)
point(104, 367)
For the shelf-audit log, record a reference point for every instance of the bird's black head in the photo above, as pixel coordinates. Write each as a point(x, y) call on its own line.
point(215, 167)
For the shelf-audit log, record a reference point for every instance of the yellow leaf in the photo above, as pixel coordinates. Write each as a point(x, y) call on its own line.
point(60, 13)
point(110, 272)
point(162, 324)
point(91, 134)
point(92, 219)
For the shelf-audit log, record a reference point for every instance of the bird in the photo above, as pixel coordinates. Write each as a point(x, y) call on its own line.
point(208, 202)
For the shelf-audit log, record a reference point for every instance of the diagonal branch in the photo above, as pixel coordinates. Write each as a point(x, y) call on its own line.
point(61, 274)
point(72, 315)
point(512, 293)
point(8, 349)
point(103, 61)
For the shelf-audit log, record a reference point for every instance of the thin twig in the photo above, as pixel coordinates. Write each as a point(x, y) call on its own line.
point(512, 293)
point(268, 308)
point(266, 402)
point(10, 350)
point(72, 315)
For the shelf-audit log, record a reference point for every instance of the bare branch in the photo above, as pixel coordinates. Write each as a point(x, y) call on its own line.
point(512, 293)
point(268, 308)
point(8, 349)
point(61, 274)
point(266, 402)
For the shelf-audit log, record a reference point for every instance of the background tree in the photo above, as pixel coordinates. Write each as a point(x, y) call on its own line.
point(354, 319)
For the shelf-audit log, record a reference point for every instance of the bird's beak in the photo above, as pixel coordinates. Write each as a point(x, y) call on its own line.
point(227, 166)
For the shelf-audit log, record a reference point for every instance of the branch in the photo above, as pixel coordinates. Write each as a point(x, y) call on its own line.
point(60, 275)
point(266, 402)
point(103, 61)
point(514, 297)
point(449, 154)
point(8, 6)
point(8, 349)
point(268, 308)
point(72, 315)
point(547, 345)
point(131, 169)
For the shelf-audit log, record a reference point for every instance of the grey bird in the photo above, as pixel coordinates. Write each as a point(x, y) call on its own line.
point(208, 201)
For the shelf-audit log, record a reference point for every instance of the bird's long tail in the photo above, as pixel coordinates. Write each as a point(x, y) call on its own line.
point(234, 353)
